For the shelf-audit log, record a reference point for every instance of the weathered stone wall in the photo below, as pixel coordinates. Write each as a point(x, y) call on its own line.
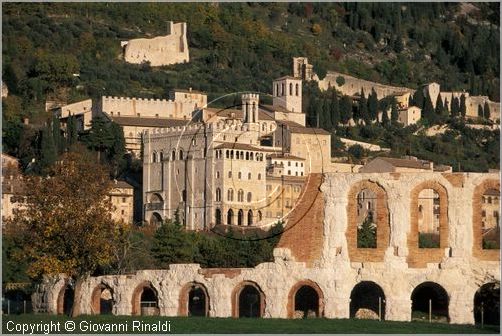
point(161, 50)
point(459, 265)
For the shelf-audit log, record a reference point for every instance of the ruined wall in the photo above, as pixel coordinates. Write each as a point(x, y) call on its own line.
point(161, 50)
point(459, 265)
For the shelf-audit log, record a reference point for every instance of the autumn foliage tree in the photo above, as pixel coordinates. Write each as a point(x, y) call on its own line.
point(67, 226)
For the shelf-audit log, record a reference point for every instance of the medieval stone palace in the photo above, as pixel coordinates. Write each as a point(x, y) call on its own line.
point(319, 270)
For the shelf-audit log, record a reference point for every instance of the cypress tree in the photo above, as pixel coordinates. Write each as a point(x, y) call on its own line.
point(419, 98)
point(487, 110)
point(334, 110)
point(446, 106)
point(48, 153)
point(455, 107)
point(56, 134)
point(463, 107)
point(363, 108)
point(345, 109)
point(428, 110)
point(385, 117)
point(71, 129)
point(373, 105)
point(439, 107)
point(326, 115)
point(394, 114)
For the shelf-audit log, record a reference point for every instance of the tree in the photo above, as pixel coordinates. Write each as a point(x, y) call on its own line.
point(340, 80)
point(463, 107)
point(455, 107)
point(356, 151)
point(48, 153)
point(363, 108)
point(486, 110)
point(172, 244)
point(439, 108)
point(56, 134)
point(373, 105)
point(67, 227)
point(334, 110)
point(71, 131)
point(394, 114)
point(419, 98)
point(366, 233)
point(345, 109)
point(428, 110)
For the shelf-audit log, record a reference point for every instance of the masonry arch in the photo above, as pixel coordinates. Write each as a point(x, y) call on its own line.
point(250, 217)
point(230, 217)
point(240, 217)
point(367, 301)
point(487, 304)
point(156, 219)
point(194, 300)
point(486, 229)
point(360, 195)
point(429, 293)
point(102, 299)
point(217, 216)
point(248, 300)
point(305, 299)
point(419, 255)
point(145, 300)
point(65, 300)
point(156, 198)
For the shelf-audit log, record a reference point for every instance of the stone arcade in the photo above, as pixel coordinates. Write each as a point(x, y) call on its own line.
point(318, 269)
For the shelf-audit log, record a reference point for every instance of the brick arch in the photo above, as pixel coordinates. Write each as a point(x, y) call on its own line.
point(237, 291)
point(419, 257)
point(382, 221)
point(136, 296)
point(183, 299)
point(477, 241)
point(60, 309)
point(96, 297)
point(294, 290)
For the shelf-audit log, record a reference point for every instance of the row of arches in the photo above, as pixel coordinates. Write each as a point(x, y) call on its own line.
point(243, 218)
point(282, 91)
point(240, 155)
point(159, 156)
point(230, 195)
point(305, 300)
point(369, 223)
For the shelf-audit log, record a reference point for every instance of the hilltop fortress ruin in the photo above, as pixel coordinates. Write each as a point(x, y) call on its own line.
point(161, 50)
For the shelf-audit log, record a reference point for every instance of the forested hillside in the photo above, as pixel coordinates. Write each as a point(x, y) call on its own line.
point(71, 51)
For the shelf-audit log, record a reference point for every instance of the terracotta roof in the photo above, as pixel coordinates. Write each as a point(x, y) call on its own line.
point(297, 128)
point(149, 122)
point(406, 163)
point(122, 184)
point(492, 192)
point(236, 145)
point(226, 112)
point(287, 77)
point(272, 108)
point(285, 157)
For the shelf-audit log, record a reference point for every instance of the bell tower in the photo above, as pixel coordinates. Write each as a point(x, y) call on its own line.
point(250, 108)
point(287, 93)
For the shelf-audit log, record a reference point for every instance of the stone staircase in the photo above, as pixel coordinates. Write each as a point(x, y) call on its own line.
point(303, 233)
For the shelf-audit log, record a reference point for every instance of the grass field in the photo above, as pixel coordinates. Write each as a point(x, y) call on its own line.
point(228, 325)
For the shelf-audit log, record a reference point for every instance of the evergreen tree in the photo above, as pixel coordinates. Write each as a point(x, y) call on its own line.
point(366, 233)
point(394, 114)
point(419, 98)
point(487, 110)
point(56, 135)
point(428, 110)
point(71, 131)
point(455, 107)
point(345, 109)
point(463, 107)
point(363, 109)
point(385, 117)
point(446, 106)
point(326, 115)
point(48, 153)
point(439, 108)
point(334, 110)
point(373, 105)
point(172, 244)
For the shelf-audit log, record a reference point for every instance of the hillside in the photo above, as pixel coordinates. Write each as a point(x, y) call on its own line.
point(71, 51)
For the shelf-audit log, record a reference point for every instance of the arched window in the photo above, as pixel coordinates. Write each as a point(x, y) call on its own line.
point(251, 157)
point(229, 174)
point(240, 217)
point(263, 127)
point(173, 155)
point(231, 154)
point(297, 89)
point(240, 195)
point(218, 216)
point(181, 154)
point(276, 89)
point(247, 156)
point(218, 195)
point(260, 216)
point(250, 217)
point(154, 157)
point(230, 217)
point(249, 176)
point(290, 89)
point(239, 175)
point(230, 195)
point(283, 89)
point(428, 219)
point(237, 155)
point(227, 154)
point(249, 197)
